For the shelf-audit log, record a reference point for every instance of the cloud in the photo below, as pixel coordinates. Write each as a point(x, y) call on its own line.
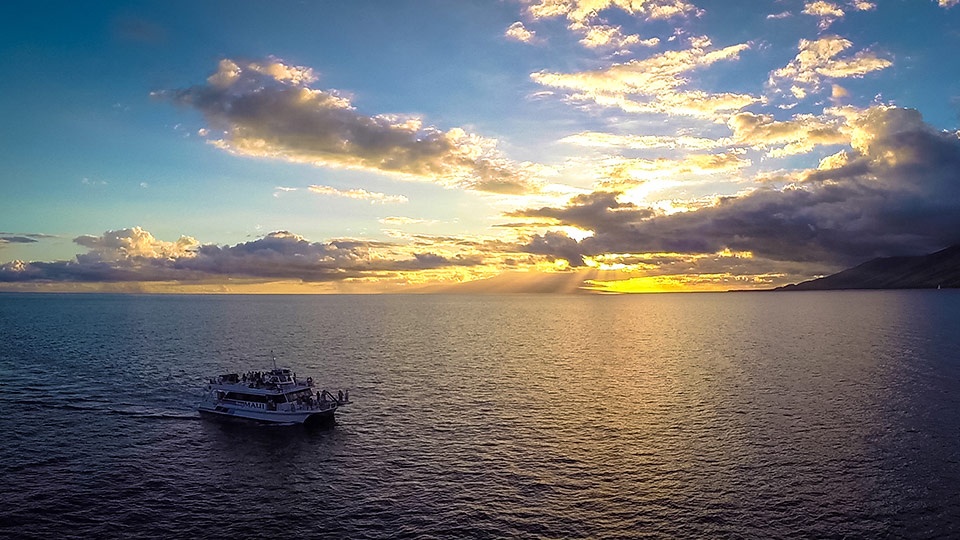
point(120, 255)
point(134, 243)
point(817, 60)
point(400, 220)
point(655, 84)
point(661, 271)
point(580, 11)
point(359, 194)
point(597, 211)
point(796, 136)
point(584, 18)
point(278, 190)
point(837, 93)
point(8, 238)
point(557, 245)
point(135, 255)
point(268, 110)
point(518, 32)
point(17, 240)
point(626, 172)
point(894, 193)
point(641, 142)
point(827, 11)
point(287, 255)
point(604, 35)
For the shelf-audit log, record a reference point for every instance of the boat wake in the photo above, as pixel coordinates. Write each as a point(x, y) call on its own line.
point(133, 411)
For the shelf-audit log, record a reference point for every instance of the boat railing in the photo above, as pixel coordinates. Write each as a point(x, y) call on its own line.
point(312, 405)
point(342, 397)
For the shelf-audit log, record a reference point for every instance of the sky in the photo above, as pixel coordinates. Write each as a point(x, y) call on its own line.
point(604, 146)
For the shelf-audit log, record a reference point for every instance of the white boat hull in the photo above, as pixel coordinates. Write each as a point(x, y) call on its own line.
point(267, 417)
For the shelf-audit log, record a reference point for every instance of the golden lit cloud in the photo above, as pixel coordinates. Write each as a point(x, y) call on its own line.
point(678, 272)
point(642, 142)
point(400, 220)
point(358, 194)
point(624, 172)
point(604, 35)
point(579, 11)
point(827, 11)
point(871, 131)
point(798, 135)
point(817, 60)
point(134, 256)
point(518, 32)
point(135, 243)
point(894, 191)
point(834, 161)
point(583, 17)
point(267, 110)
point(837, 93)
point(655, 84)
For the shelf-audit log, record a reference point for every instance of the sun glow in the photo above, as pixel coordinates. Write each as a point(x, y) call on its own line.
point(662, 284)
point(576, 233)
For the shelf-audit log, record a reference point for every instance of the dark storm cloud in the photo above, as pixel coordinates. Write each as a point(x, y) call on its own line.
point(23, 238)
point(91, 272)
point(134, 255)
point(898, 192)
point(592, 211)
point(17, 240)
point(557, 245)
point(285, 255)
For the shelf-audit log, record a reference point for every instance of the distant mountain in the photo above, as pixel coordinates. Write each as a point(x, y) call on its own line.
point(921, 272)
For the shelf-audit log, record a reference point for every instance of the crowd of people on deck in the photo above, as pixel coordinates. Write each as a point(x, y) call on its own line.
point(301, 399)
point(255, 377)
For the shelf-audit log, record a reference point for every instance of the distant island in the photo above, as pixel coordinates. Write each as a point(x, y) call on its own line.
point(940, 269)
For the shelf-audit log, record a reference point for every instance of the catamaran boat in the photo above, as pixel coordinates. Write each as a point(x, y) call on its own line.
point(271, 397)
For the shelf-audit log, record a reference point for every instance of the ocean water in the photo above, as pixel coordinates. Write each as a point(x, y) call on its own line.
point(737, 415)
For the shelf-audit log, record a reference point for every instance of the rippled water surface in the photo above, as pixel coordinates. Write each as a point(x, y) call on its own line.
point(787, 415)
